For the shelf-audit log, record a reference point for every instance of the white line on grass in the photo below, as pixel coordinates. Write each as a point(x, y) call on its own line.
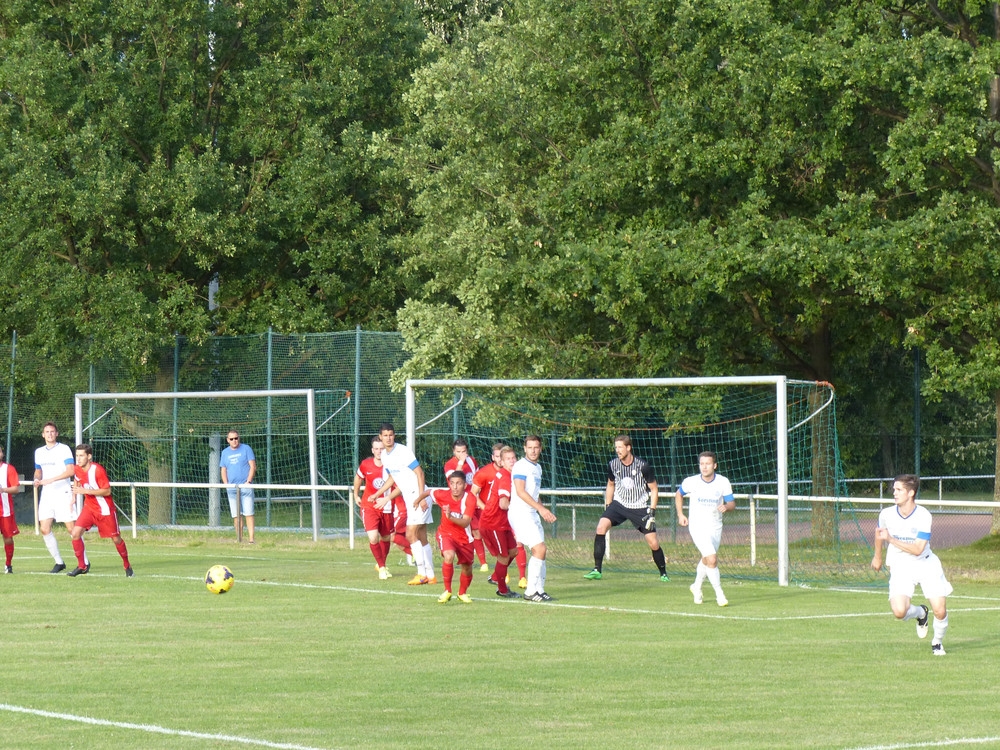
point(155, 729)
point(586, 607)
point(936, 743)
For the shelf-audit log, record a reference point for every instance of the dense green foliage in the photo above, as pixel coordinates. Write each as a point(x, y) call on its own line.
point(542, 188)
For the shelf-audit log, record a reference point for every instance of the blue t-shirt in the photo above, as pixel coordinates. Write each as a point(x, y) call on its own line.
point(236, 462)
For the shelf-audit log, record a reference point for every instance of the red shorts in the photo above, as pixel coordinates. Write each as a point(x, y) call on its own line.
point(8, 526)
point(464, 551)
point(375, 520)
point(499, 542)
point(399, 513)
point(93, 515)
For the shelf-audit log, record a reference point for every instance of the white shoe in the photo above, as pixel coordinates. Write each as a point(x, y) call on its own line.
point(937, 649)
point(384, 574)
point(409, 561)
point(721, 600)
point(484, 568)
point(922, 623)
point(696, 591)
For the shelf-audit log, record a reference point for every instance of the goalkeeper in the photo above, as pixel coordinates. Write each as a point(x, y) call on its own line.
point(631, 495)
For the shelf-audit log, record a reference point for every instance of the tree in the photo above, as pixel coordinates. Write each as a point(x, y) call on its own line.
point(150, 150)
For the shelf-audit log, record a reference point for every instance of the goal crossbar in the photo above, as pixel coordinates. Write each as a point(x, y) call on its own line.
point(778, 382)
point(308, 394)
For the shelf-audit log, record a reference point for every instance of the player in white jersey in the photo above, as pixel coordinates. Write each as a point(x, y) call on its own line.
point(525, 514)
point(906, 529)
point(710, 496)
point(54, 469)
point(406, 474)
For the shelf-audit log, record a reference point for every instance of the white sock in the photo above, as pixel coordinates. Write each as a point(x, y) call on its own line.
point(409, 559)
point(543, 576)
point(716, 580)
point(418, 557)
point(699, 577)
point(940, 628)
point(534, 574)
point(53, 546)
point(913, 611)
point(429, 560)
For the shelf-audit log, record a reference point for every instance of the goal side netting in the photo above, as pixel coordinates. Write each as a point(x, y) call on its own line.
point(775, 439)
point(168, 446)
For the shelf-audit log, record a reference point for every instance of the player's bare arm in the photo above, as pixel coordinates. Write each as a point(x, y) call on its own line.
point(609, 493)
point(877, 556)
point(384, 500)
point(390, 482)
point(679, 502)
point(357, 489)
point(69, 472)
point(916, 547)
point(79, 489)
point(547, 515)
point(654, 495)
point(727, 507)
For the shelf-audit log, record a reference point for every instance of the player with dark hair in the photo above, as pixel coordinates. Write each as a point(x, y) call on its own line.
point(462, 461)
point(98, 510)
point(905, 528)
point(631, 495)
point(526, 515)
point(53, 472)
point(8, 523)
point(375, 515)
point(492, 487)
point(407, 475)
point(711, 495)
point(455, 535)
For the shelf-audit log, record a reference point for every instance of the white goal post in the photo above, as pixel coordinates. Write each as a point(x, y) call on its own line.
point(307, 395)
point(778, 382)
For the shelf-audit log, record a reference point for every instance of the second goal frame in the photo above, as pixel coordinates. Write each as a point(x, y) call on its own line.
point(778, 382)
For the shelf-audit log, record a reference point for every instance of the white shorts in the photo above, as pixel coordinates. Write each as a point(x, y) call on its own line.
point(246, 501)
point(57, 504)
point(527, 528)
point(415, 516)
point(707, 540)
point(905, 574)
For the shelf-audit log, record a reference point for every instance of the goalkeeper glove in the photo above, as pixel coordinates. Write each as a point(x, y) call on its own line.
point(649, 520)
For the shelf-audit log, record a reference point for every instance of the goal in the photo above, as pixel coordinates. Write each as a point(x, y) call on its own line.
point(168, 445)
point(775, 440)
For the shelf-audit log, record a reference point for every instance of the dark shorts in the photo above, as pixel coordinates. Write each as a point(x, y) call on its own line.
point(619, 514)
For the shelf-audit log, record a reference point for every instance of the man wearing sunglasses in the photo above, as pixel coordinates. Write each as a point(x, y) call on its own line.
point(238, 465)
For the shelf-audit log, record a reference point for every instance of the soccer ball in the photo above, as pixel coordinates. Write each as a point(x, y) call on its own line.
point(219, 579)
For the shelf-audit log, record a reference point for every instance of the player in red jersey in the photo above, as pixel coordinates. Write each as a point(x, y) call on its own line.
point(91, 481)
point(455, 535)
point(376, 515)
point(8, 524)
point(462, 461)
point(492, 487)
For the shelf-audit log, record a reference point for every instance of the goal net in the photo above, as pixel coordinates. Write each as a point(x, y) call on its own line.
point(169, 445)
point(775, 439)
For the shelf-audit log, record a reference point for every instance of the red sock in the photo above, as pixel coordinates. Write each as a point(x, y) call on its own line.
point(400, 541)
point(8, 549)
point(386, 548)
point(78, 550)
point(123, 551)
point(500, 576)
point(447, 573)
point(522, 562)
point(480, 550)
point(377, 553)
point(463, 583)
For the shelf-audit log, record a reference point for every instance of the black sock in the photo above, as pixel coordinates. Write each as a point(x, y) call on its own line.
point(598, 550)
point(660, 560)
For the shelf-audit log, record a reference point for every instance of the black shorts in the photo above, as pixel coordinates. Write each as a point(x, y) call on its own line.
point(619, 514)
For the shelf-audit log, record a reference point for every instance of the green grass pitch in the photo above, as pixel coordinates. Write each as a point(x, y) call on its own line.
point(311, 650)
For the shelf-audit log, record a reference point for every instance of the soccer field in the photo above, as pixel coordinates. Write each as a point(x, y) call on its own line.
point(311, 650)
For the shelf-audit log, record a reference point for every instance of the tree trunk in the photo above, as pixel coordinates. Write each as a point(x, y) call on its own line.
point(995, 526)
point(823, 469)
